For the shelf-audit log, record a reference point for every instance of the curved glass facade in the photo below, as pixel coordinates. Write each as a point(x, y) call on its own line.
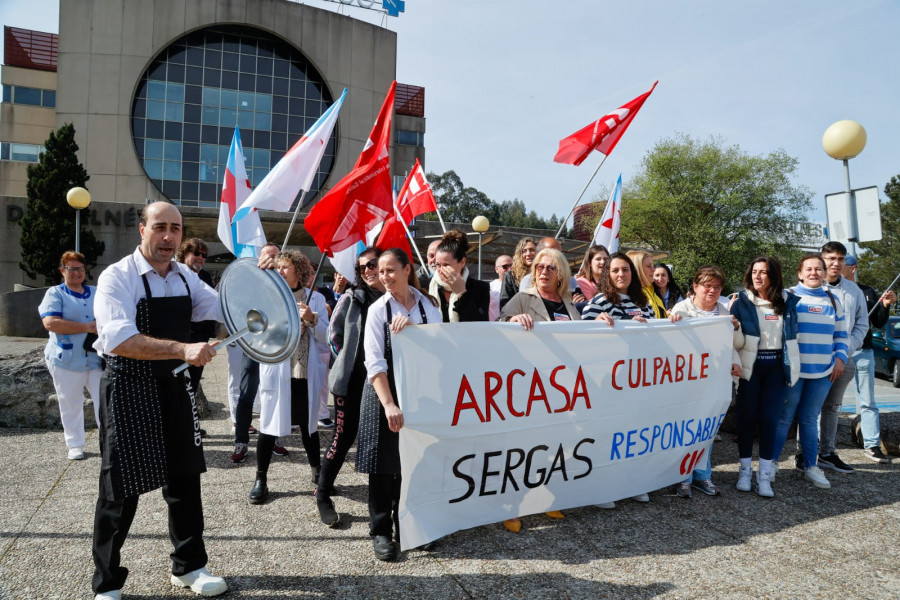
point(197, 90)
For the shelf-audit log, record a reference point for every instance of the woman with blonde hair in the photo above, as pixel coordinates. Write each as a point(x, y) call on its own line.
point(523, 258)
point(643, 262)
point(547, 299)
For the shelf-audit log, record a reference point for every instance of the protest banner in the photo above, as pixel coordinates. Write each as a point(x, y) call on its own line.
point(500, 422)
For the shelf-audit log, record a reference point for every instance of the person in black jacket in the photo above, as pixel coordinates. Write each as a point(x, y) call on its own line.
point(865, 365)
point(461, 298)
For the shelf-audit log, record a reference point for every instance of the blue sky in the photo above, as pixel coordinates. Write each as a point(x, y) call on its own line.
point(505, 81)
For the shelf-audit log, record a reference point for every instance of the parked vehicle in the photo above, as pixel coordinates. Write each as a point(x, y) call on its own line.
point(886, 344)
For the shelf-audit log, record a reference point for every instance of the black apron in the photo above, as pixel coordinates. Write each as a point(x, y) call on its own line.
point(377, 447)
point(149, 417)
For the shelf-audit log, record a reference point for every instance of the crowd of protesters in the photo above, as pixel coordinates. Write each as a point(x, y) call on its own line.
point(796, 348)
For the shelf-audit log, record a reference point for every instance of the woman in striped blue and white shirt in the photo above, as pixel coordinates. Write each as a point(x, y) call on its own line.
point(822, 337)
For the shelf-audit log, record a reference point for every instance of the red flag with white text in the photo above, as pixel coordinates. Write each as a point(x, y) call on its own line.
point(415, 197)
point(602, 135)
point(363, 198)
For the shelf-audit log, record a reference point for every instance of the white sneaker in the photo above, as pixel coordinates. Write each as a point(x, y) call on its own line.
point(201, 582)
point(773, 471)
point(110, 595)
point(816, 477)
point(606, 505)
point(764, 485)
point(745, 475)
point(76, 454)
point(641, 498)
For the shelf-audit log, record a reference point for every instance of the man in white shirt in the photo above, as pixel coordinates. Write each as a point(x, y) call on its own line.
point(150, 428)
point(501, 266)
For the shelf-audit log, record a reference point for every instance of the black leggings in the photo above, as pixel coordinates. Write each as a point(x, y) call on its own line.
point(384, 499)
point(346, 427)
point(759, 403)
point(300, 416)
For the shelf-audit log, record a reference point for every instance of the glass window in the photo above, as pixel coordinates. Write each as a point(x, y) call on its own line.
point(156, 90)
point(25, 152)
point(7, 93)
point(262, 120)
point(172, 150)
point(183, 128)
point(171, 170)
point(175, 92)
point(27, 95)
point(174, 112)
point(229, 99)
point(407, 138)
point(4, 151)
point(153, 148)
point(49, 99)
point(153, 168)
point(211, 96)
point(210, 116)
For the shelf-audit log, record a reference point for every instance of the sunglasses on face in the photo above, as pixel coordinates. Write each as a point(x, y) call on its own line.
point(540, 268)
point(369, 266)
point(203, 254)
point(74, 269)
point(506, 267)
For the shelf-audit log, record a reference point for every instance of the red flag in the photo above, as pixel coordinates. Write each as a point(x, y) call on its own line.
point(415, 197)
point(602, 135)
point(363, 198)
point(393, 235)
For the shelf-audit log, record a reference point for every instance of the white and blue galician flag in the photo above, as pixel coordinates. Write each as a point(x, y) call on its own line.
point(244, 237)
point(607, 231)
point(296, 170)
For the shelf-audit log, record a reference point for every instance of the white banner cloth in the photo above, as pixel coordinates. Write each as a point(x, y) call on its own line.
point(500, 422)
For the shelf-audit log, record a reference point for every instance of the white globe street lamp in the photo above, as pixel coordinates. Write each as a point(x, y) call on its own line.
point(78, 198)
point(480, 224)
point(842, 141)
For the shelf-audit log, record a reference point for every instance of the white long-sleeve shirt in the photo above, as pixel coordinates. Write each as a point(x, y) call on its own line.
point(377, 316)
point(120, 288)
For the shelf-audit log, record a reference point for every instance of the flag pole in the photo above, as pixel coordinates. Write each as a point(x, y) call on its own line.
point(883, 293)
point(294, 220)
point(563, 226)
point(410, 237)
point(312, 283)
point(441, 219)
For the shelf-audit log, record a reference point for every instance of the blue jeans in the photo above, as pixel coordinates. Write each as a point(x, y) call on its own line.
point(704, 474)
point(804, 400)
point(865, 397)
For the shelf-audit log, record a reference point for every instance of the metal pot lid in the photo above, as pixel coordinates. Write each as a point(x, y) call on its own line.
point(245, 287)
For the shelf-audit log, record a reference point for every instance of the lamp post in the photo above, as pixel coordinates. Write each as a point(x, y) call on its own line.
point(480, 224)
point(78, 198)
point(842, 141)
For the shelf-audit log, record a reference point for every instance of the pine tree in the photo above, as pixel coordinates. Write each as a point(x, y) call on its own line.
point(48, 226)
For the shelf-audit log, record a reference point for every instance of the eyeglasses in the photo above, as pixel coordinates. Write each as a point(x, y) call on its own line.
point(369, 266)
point(74, 269)
point(506, 267)
point(540, 268)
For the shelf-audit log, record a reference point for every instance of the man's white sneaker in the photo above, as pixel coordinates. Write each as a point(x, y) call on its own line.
point(606, 505)
point(815, 476)
point(76, 454)
point(201, 582)
point(110, 595)
point(764, 485)
point(745, 475)
point(641, 498)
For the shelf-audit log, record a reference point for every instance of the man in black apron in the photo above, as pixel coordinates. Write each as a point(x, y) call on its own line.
point(149, 422)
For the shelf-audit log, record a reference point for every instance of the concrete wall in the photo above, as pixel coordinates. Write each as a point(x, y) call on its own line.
point(19, 314)
point(105, 46)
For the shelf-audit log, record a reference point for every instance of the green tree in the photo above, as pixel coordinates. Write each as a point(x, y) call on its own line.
point(48, 226)
point(458, 203)
point(708, 203)
point(461, 204)
point(881, 263)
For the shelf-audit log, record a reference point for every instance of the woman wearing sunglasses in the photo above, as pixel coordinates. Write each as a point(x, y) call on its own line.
point(548, 299)
point(346, 334)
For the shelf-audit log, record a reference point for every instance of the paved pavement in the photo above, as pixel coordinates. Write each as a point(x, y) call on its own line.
point(805, 543)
